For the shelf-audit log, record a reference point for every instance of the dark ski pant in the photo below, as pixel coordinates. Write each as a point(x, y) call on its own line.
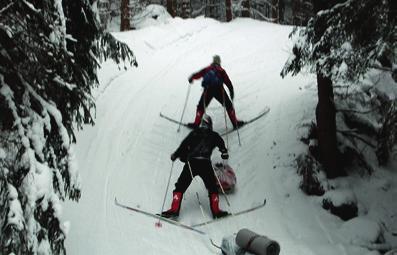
point(219, 93)
point(200, 167)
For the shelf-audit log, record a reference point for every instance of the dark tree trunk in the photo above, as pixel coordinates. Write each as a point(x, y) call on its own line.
point(229, 16)
point(275, 10)
point(325, 110)
point(125, 17)
point(281, 9)
point(185, 9)
point(326, 127)
point(171, 7)
point(246, 9)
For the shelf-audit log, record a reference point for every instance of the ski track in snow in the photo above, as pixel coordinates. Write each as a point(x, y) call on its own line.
point(126, 154)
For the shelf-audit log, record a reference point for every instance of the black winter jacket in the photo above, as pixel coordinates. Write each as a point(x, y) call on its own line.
point(199, 144)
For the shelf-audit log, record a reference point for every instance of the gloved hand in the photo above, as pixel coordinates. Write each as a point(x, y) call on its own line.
point(225, 155)
point(190, 80)
point(232, 94)
point(173, 157)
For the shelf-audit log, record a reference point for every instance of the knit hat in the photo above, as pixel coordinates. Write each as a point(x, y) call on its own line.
point(206, 122)
point(216, 59)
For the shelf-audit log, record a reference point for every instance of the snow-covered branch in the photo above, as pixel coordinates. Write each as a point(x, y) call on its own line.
point(6, 7)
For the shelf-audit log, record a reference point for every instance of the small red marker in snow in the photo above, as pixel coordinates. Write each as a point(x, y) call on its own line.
point(158, 224)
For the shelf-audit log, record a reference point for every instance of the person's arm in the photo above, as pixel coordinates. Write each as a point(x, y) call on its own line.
point(198, 75)
point(221, 145)
point(183, 147)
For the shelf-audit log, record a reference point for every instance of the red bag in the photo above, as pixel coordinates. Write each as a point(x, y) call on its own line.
point(226, 177)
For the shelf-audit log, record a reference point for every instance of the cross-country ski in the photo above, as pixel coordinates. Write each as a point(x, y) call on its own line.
point(168, 220)
point(156, 216)
point(245, 122)
point(231, 215)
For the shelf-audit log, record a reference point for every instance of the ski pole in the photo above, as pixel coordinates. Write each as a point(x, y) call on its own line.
point(204, 101)
point(224, 113)
point(191, 174)
point(158, 224)
point(184, 107)
point(201, 207)
point(219, 183)
point(238, 132)
point(206, 223)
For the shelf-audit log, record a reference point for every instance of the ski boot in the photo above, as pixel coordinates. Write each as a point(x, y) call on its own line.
point(197, 119)
point(238, 124)
point(173, 212)
point(214, 204)
point(192, 125)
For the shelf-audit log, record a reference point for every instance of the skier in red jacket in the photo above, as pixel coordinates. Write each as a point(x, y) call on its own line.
point(214, 76)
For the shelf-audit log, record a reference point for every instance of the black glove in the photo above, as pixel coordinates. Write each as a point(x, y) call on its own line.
point(190, 80)
point(232, 94)
point(225, 155)
point(173, 157)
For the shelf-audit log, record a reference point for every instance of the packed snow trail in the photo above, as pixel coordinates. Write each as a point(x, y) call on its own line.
point(126, 154)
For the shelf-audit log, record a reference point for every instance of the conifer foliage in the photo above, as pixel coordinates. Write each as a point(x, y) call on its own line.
point(49, 53)
point(341, 43)
point(356, 33)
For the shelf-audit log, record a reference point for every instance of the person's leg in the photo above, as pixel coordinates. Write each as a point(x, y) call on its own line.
point(204, 101)
point(183, 182)
point(206, 173)
point(214, 204)
point(224, 99)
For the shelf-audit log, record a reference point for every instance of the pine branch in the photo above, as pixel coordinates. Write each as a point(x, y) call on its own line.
point(355, 135)
point(115, 50)
point(6, 7)
point(382, 68)
point(355, 111)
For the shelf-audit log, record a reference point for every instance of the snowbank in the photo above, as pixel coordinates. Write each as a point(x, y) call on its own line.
point(152, 15)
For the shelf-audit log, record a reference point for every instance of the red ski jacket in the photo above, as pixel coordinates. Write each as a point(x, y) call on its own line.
point(219, 70)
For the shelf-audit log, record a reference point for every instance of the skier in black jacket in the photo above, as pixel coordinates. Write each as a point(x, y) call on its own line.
point(195, 150)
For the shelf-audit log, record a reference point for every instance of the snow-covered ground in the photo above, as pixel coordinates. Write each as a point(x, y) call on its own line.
point(126, 154)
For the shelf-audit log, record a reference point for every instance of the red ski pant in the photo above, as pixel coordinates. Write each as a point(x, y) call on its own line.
point(220, 95)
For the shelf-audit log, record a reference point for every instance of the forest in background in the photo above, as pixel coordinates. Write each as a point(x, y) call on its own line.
point(278, 11)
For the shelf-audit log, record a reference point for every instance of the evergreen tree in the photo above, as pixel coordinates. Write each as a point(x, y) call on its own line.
point(49, 53)
point(341, 43)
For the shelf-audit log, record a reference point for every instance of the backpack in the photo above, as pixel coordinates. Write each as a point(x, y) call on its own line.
point(211, 79)
point(226, 176)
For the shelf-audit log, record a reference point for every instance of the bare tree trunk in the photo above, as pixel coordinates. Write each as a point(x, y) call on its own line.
point(275, 10)
point(171, 7)
point(281, 9)
point(325, 110)
point(246, 9)
point(326, 127)
point(229, 16)
point(124, 15)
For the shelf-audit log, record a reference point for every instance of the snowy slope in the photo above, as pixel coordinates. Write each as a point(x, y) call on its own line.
point(126, 154)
